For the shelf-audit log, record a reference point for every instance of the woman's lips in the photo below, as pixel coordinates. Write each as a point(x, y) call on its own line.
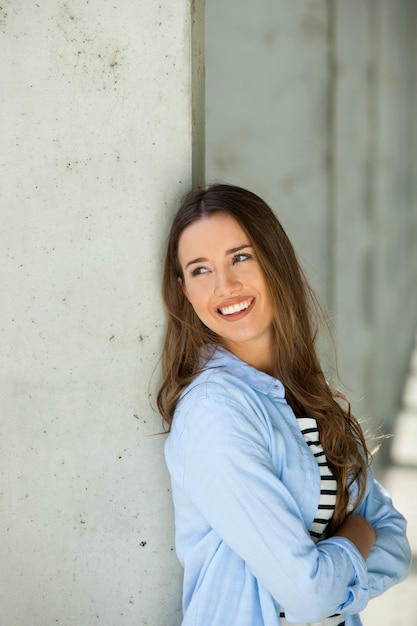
point(236, 309)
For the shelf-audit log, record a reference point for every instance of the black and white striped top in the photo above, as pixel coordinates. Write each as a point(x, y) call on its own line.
point(328, 484)
point(327, 502)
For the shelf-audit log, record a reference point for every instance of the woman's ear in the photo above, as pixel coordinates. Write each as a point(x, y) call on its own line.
point(181, 284)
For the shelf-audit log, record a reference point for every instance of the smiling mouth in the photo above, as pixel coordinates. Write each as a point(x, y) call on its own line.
point(235, 308)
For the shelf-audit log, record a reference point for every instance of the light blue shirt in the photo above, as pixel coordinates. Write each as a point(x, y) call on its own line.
point(246, 490)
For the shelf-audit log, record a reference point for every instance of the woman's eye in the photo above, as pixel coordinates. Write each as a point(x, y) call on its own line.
point(197, 271)
point(238, 258)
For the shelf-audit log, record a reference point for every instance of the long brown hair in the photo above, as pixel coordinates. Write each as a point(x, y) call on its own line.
point(295, 328)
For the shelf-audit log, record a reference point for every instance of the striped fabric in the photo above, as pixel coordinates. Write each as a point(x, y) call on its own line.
point(327, 502)
point(328, 484)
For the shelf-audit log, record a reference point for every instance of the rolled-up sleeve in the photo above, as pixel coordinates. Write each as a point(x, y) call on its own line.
point(390, 557)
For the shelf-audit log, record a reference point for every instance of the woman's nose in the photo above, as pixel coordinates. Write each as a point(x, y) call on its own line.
point(227, 283)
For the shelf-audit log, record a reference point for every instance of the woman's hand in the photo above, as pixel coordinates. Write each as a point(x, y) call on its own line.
point(359, 532)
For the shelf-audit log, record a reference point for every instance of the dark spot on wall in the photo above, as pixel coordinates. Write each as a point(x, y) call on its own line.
point(3, 14)
point(312, 26)
point(269, 39)
point(288, 184)
point(69, 14)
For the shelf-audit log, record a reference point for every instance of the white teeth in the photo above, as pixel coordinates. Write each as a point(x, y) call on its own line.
point(235, 308)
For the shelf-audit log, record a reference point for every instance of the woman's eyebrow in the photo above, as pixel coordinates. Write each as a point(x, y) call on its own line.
point(234, 250)
point(230, 251)
point(199, 260)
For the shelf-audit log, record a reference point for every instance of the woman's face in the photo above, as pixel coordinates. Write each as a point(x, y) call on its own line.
point(226, 287)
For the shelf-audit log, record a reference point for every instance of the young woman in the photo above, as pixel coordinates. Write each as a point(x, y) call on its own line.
point(278, 517)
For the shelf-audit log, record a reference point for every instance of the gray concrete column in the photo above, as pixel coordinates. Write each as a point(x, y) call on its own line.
point(101, 115)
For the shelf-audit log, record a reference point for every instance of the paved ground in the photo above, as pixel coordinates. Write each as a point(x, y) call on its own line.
point(398, 606)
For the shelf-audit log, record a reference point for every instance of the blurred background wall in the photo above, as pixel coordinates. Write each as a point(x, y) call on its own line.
point(312, 104)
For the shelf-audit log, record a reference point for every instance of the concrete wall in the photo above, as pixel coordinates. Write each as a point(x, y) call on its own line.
point(98, 134)
point(312, 104)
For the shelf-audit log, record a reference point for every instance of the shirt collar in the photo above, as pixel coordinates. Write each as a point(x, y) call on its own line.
point(260, 381)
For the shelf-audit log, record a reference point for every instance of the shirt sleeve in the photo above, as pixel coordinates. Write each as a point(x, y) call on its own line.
point(390, 557)
point(229, 477)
